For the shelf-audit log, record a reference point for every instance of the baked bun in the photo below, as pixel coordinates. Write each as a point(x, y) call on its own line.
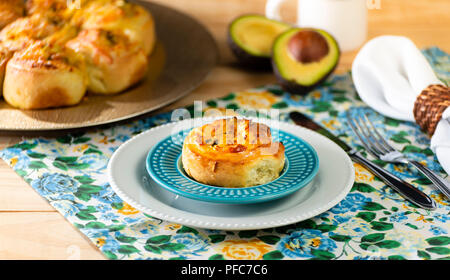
point(44, 76)
point(232, 153)
point(53, 51)
point(108, 56)
point(60, 8)
point(46, 6)
point(133, 20)
point(24, 31)
point(10, 10)
point(5, 55)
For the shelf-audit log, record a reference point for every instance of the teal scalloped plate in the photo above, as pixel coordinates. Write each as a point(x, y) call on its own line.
point(164, 166)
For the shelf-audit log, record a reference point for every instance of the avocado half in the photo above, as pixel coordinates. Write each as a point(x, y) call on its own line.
point(302, 58)
point(251, 37)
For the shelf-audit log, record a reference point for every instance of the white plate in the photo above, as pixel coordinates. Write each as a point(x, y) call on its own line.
point(130, 180)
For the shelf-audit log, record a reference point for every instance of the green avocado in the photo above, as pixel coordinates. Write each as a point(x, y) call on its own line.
point(302, 58)
point(251, 37)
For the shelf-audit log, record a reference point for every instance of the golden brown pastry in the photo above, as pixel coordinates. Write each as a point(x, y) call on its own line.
point(24, 31)
point(113, 62)
point(43, 76)
point(10, 10)
point(232, 153)
point(5, 55)
point(64, 9)
point(46, 6)
point(118, 15)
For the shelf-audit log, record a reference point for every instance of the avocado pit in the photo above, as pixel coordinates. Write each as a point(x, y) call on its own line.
point(302, 58)
point(308, 46)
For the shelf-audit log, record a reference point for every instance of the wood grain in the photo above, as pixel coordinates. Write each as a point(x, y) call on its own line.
point(42, 235)
point(31, 229)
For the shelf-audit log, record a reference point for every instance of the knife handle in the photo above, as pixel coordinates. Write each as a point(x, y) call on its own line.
point(405, 189)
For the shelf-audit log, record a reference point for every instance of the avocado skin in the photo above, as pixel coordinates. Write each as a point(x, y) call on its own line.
point(246, 59)
point(293, 87)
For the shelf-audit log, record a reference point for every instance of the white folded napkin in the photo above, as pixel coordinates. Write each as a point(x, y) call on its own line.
point(389, 72)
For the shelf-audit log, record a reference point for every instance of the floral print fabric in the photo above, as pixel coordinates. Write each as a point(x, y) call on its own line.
point(372, 222)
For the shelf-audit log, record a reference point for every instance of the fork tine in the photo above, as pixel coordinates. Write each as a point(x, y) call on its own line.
point(368, 136)
point(375, 141)
point(356, 129)
point(386, 145)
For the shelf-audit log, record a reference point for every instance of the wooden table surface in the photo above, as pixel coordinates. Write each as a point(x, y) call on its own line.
point(31, 229)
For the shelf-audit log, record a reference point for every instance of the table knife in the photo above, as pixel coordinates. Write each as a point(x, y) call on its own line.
point(405, 189)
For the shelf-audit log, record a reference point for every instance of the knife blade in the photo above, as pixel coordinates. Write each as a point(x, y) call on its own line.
point(405, 189)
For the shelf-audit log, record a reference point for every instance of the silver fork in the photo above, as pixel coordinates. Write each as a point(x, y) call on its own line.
point(379, 148)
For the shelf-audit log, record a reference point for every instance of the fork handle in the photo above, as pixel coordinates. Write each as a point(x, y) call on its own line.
point(442, 184)
point(405, 189)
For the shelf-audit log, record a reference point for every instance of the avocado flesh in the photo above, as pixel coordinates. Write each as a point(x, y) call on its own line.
point(296, 75)
point(251, 38)
point(256, 34)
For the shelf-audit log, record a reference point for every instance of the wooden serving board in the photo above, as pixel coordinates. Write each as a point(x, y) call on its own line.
point(183, 56)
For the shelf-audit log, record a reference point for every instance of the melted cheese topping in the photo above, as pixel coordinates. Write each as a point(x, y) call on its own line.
point(10, 10)
point(48, 56)
point(107, 13)
point(39, 6)
point(233, 140)
point(101, 46)
point(131, 19)
point(24, 31)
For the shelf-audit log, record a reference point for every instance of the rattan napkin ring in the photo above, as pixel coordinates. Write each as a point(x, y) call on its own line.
point(430, 105)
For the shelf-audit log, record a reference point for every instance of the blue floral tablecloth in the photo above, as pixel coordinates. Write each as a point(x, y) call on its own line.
point(372, 222)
